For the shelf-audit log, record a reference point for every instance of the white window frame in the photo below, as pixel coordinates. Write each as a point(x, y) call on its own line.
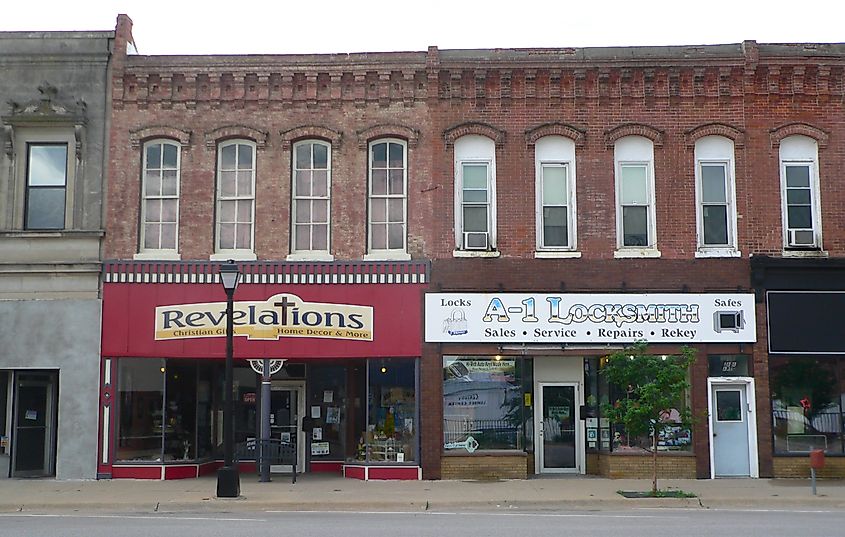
point(635, 151)
point(387, 253)
point(245, 254)
point(159, 253)
point(716, 150)
point(555, 151)
point(475, 149)
point(799, 150)
point(311, 255)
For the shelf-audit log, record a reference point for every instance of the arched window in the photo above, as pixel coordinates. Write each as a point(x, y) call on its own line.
point(160, 199)
point(635, 212)
point(475, 193)
point(235, 199)
point(312, 164)
point(554, 165)
point(388, 197)
point(799, 177)
point(715, 196)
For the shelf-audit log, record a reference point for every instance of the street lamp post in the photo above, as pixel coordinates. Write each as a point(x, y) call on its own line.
point(228, 479)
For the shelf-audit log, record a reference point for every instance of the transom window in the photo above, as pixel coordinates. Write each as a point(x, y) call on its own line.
point(160, 206)
point(46, 186)
point(311, 196)
point(388, 197)
point(235, 196)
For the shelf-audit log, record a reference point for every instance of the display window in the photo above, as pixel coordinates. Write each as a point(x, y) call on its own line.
point(391, 431)
point(807, 401)
point(485, 403)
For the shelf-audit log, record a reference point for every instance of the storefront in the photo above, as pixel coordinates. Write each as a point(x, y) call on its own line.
point(802, 299)
point(345, 398)
point(523, 389)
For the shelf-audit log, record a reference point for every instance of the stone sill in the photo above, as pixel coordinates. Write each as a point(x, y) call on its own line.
point(52, 234)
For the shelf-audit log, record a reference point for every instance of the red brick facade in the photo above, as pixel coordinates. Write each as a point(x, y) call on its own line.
point(754, 95)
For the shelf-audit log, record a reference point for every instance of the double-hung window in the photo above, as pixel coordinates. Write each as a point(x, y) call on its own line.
point(160, 204)
point(635, 213)
point(800, 192)
point(46, 185)
point(716, 214)
point(554, 159)
point(475, 194)
point(388, 198)
point(235, 199)
point(311, 198)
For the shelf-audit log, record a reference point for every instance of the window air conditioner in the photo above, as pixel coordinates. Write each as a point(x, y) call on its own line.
point(801, 238)
point(476, 240)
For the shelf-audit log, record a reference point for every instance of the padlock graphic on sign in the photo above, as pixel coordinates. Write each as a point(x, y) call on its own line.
point(456, 323)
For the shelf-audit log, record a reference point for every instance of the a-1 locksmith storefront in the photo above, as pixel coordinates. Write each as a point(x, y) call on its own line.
point(346, 397)
point(522, 385)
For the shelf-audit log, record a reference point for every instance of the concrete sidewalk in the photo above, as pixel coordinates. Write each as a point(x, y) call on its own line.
point(322, 493)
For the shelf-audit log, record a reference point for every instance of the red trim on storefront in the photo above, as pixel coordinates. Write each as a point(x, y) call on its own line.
point(209, 467)
point(136, 472)
point(181, 472)
point(400, 473)
point(327, 467)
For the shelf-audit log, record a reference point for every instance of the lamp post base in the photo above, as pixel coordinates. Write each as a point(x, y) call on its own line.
point(228, 482)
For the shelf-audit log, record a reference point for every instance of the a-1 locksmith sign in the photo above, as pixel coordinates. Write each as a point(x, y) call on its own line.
point(589, 318)
point(281, 315)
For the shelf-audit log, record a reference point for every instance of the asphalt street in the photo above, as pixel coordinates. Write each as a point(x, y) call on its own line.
point(658, 522)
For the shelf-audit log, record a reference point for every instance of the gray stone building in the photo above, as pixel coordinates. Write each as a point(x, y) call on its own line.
point(53, 110)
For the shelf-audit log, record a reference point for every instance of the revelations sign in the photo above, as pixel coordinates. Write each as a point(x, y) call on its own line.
point(281, 315)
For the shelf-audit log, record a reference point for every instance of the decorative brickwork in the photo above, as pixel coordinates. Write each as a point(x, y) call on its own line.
point(803, 129)
point(453, 133)
point(137, 137)
point(560, 129)
point(235, 131)
point(716, 129)
point(386, 131)
point(633, 129)
point(310, 131)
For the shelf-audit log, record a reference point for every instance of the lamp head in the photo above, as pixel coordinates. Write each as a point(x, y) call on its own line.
point(229, 275)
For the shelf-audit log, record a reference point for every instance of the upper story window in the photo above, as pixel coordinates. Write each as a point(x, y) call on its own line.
point(160, 204)
point(46, 185)
point(475, 193)
point(800, 192)
point(235, 198)
point(554, 163)
point(388, 210)
point(311, 198)
point(635, 212)
point(715, 196)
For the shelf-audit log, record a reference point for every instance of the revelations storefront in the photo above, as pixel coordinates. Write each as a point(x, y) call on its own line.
point(522, 389)
point(346, 397)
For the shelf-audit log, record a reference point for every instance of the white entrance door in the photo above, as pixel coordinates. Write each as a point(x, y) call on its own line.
point(730, 423)
point(558, 433)
point(286, 403)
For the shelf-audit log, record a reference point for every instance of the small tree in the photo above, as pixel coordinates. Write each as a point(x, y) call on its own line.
point(653, 385)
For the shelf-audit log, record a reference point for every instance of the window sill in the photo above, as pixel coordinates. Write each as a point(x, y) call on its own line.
point(559, 254)
point(310, 256)
point(636, 253)
point(157, 255)
point(241, 255)
point(476, 253)
point(717, 252)
point(387, 256)
point(805, 253)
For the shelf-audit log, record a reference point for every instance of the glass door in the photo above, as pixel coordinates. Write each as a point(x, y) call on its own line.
point(558, 432)
point(34, 416)
point(284, 421)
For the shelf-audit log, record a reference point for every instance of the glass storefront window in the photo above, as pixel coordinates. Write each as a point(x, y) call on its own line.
point(807, 400)
point(141, 397)
point(180, 411)
point(392, 411)
point(483, 402)
point(245, 385)
point(326, 412)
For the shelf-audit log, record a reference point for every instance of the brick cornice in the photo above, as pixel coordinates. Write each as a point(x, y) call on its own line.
point(715, 129)
point(633, 129)
point(310, 131)
point(779, 133)
point(482, 129)
point(228, 132)
point(575, 134)
point(386, 131)
point(139, 136)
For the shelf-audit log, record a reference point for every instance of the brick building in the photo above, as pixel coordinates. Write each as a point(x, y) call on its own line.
point(620, 192)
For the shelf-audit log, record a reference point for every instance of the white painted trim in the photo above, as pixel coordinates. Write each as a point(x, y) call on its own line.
point(751, 422)
point(158, 255)
point(387, 255)
point(717, 252)
point(580, 447)
point(104, 434)
point(237, 255)
point(636, 253)
point(476, 253)
point(556, 254)
point(309, 256)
